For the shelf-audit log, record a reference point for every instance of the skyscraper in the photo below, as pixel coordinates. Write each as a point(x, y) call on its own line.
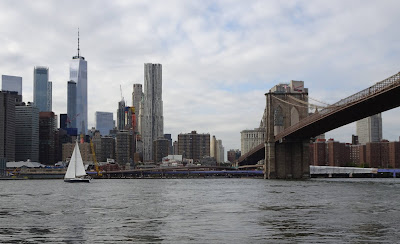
point(71, 105)
point(78, 73)
point(369, 129)
point(27, 134)
point(121, 115)
point(7, 125)
point(12, 83)
point(137, 96)
point(152, 120)
point(41, 88)
point(104, 122)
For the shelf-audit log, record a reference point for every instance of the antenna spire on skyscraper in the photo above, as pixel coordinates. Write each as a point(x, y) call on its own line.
point(78, 42)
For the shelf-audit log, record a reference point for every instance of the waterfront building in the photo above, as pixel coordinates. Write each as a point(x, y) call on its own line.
point(369, 129)
point(152, 120)
point(122, 147)
point(318, 156)
point(12, 83)
point(71, 105)
point(104, 122)
point(78, 74)
point(42, 88)
point(160, 149)
point(7, 125)
point(394, 154)
point(137, 96)
point(47, 135)
point(27, 132)
point(194, 146)
point(107, 148)
point(355, 154)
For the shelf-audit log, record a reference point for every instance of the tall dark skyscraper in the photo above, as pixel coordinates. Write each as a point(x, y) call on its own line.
point(7, 125)
point(71, 105)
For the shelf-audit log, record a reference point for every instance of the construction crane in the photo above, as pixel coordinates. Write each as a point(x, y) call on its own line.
point(69, 120)
point(96, 165)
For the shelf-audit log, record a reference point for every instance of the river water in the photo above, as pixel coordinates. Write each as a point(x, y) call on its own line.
point(200, 211)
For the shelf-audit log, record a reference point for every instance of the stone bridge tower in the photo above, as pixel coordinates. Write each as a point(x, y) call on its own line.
point(287, 158)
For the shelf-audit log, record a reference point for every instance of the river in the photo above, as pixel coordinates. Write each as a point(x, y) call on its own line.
point(200, 211)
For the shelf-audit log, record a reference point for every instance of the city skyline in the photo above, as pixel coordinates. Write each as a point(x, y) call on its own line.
point(219, 58)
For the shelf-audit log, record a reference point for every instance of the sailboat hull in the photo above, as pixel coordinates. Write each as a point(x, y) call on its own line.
point(77, 180)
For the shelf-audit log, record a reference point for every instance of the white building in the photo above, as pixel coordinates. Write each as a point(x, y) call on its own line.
point(152, 120)
point(369, 129)
point(252, 138)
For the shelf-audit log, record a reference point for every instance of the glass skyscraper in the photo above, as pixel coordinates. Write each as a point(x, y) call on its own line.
point(78, 73)
point(104, 122)
point(41, 88)
point(369, 129)
point(11, 83)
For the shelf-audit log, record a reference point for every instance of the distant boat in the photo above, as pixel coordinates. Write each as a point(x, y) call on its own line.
point(76, 171)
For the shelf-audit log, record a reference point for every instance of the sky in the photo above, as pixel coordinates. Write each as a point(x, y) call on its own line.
point(219, 58)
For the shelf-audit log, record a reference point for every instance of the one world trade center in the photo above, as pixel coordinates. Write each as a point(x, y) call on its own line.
point(78, 74)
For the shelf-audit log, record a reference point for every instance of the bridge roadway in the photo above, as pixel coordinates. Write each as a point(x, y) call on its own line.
point(380, 97)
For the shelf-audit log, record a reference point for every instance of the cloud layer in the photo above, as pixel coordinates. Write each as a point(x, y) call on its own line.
point(218, 57)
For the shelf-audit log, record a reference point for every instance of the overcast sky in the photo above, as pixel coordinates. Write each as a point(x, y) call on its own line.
point(219, 58)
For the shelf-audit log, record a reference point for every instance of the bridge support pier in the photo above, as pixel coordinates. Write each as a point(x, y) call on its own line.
point(287, 160)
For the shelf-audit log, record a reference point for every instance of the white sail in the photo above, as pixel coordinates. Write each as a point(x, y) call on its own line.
point(75, 167)
point(79, 167)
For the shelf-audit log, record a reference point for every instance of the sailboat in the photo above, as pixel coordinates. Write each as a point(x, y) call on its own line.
point(76, 171)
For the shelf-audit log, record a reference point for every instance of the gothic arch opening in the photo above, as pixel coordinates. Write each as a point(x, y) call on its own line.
point(294, 116)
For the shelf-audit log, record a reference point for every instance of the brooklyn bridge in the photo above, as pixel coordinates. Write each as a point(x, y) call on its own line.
point(289, 126)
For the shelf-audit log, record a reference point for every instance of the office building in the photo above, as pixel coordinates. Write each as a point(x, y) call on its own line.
point(160, 149)
point(63, 121)
point(249, 139)
point(27, 134)
point(71, 105)
point(152, 120)
point(12, 83)
point(7, 125)
point(122, 147)
point(194, 146)
point(137, 96)
point(47, 136)
point(217, 150)
point(107, 148)
point(121, 115)
point(104, 122)
point(41, 89)
point(78, 74)
point(369, 129)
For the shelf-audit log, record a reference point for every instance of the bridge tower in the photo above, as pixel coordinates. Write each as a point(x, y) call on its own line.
point(287, 158)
